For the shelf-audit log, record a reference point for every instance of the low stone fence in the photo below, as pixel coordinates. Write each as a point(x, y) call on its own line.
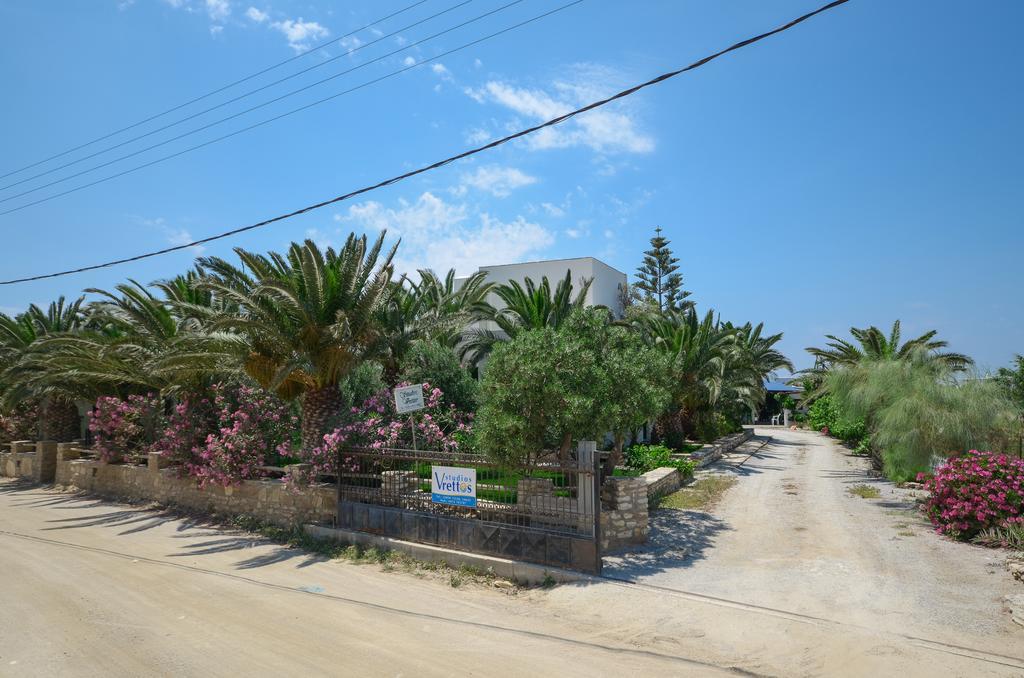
point(712, 452)
point(624, 515)
point(662, 481)
point(34, 461)
point(267, 500)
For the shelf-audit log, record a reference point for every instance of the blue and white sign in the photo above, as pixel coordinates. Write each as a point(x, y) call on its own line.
point(453, 486)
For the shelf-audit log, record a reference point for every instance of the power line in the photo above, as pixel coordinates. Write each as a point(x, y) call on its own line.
point(216, 91)
point(440, 163)
point(266, 121)
point(233, 100)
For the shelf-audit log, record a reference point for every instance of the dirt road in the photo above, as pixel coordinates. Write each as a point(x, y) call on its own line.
point(91, 588)
point(790, 535)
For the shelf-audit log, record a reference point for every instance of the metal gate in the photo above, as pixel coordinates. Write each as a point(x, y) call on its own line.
point(547, 513)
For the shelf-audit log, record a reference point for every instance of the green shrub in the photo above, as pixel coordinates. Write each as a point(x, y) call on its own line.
point(822, 414)
point(644, 458)
point(436, 364)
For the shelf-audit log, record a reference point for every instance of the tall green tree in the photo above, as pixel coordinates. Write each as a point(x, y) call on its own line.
point(1012, 380)
point(20, 341)
point(699, 353)
point(304, 320)
point(871, 343)
point(659, 282)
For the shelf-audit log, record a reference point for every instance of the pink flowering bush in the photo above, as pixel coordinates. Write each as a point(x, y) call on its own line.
point(974, 492)
point(228, 438)
point(377, 425)
point(122, 427)
point(20, 423)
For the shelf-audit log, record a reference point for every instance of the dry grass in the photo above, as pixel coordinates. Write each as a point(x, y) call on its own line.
point(865, 492)
point(699, 496)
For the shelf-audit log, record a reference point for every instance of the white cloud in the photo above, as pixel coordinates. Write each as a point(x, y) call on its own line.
point(300, 32)
point(216, 29)
point(477, 136)
point(125, 4)
point(174, 235)
point(408, 61)
point(182, 237)
point(439, 69)
point(606, 130)
point(553, 210)
point(477, 63)
point(496, 180)
point(440, 235)
point(218, 10)
point(256, 15)
point(351, 42)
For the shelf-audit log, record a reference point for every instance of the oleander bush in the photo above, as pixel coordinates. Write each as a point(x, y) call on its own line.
point(377, 425)
point(122, 427)
point(975, 492)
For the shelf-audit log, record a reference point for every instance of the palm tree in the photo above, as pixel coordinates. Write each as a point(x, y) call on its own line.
point(700, 353)
point(872, 344)
point(526, 306)
point(432, 309)
point(20, 338)
point(301, 322)
point(753, 360)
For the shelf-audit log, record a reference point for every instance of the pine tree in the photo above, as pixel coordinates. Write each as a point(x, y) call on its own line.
point(658, 281)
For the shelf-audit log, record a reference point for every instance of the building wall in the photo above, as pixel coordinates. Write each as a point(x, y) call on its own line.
point(603, 291)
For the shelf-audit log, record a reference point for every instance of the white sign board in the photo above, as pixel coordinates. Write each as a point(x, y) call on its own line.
point(409, 398)
point(453, 486)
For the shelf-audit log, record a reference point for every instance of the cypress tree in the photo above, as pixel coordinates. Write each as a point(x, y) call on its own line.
point(658, 282)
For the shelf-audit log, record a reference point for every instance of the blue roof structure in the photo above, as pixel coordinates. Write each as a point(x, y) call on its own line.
point(781, 387)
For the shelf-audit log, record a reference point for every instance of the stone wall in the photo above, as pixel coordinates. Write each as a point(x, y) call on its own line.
point(623, 513)
point(266, 500)
point(661, 481)
point(714, 451)
point(35, 461)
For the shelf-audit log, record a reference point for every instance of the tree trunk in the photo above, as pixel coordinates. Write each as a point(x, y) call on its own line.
point(321, 413)
point(615, 458)
point(59, 420)
point(565, 448)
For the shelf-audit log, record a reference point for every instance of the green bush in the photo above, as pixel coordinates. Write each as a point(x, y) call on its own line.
point(436, 364)
point(644, 458)
point(822, 414)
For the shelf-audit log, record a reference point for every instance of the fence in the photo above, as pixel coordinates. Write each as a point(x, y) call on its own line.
point(547, 513)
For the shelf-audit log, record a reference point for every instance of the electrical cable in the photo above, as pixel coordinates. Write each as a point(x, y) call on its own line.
point(216, 91)
point(465, 154)
point(231, 101)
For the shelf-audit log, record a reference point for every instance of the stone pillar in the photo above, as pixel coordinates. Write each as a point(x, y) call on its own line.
point(156, 461)
point(587, 502)
point(624, 519)
point(45, 468)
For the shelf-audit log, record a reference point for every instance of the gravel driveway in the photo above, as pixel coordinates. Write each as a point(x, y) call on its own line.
point(789, 535)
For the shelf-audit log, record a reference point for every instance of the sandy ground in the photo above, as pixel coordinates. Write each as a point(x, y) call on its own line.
point(91, 588)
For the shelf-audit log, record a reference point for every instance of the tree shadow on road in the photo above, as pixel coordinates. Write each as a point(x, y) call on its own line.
point(677, 539)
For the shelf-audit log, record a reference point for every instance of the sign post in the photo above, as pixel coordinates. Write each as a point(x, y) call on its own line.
point(409, 399)
point(453, 486)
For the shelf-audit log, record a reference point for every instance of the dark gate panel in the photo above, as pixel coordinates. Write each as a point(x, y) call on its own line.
point(548, 513)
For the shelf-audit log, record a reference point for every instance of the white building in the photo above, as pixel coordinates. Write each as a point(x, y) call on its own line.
point(605, 290)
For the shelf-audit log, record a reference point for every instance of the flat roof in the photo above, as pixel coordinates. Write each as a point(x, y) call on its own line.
point(552, 261)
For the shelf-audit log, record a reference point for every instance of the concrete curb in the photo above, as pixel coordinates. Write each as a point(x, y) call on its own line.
point(514, 570)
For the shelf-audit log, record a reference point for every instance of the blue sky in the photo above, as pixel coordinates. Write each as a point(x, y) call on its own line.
point(863, 167)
